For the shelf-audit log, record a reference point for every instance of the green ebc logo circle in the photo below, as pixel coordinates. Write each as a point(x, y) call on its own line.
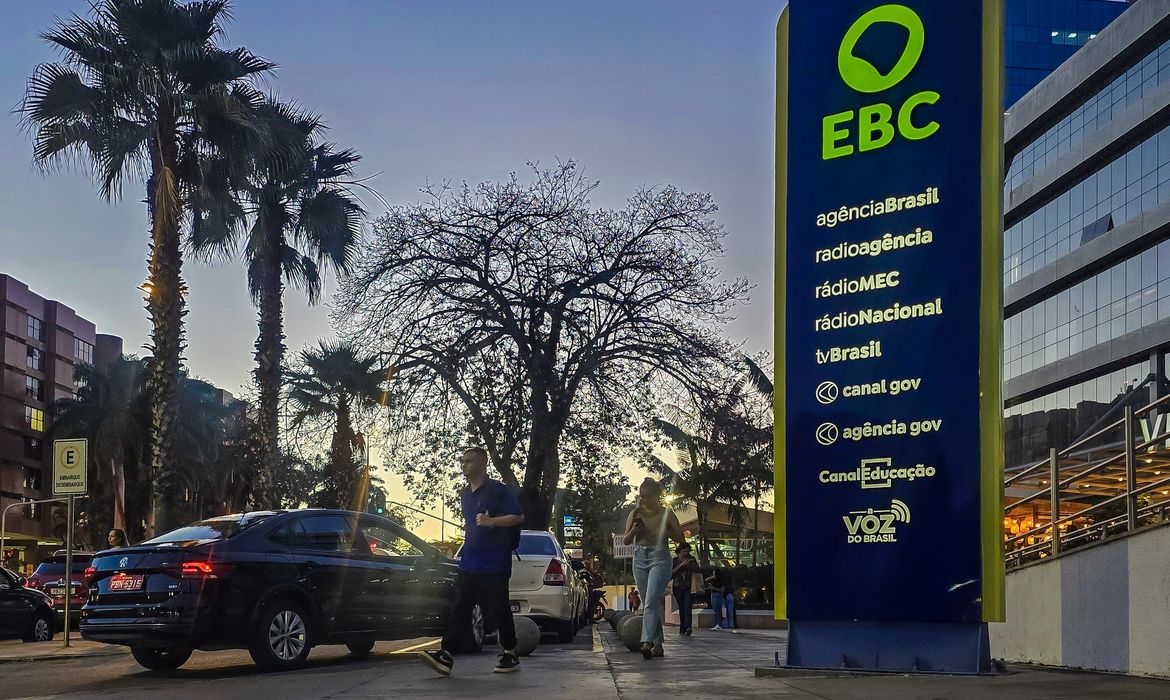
point(860, 74)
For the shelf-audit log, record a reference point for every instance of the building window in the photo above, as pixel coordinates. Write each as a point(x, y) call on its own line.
point(32, 478)
point(34, 448)
point(36, 329)
point(34, 418)
point(34, 389)
point(83, 351)
point(35, 359)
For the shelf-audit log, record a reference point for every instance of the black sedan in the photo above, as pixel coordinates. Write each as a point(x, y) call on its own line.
point(274, 583)
point(25, 613)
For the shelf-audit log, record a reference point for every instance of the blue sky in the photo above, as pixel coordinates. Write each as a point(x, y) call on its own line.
point(645, 92)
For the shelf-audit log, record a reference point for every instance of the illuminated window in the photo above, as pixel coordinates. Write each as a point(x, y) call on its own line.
point(34, 418)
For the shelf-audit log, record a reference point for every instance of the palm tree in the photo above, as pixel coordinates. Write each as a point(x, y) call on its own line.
point(108, 410)
point(143, 88)
point(304, 220)
point(333, 383)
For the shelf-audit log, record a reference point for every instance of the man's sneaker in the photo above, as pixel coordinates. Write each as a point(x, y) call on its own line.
point(508, 663)
point(440, 661)
point(717, 627)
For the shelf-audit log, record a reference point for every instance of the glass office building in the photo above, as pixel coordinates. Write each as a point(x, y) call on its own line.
point(1042, 34)
point(1087, 233)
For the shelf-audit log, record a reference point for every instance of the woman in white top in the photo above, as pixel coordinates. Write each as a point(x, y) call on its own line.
point(647, 528)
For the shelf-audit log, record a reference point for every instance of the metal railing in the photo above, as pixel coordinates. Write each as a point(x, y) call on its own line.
point(1097, 487)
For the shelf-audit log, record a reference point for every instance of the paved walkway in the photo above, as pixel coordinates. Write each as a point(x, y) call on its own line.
point(722, 665)
point(46, 651)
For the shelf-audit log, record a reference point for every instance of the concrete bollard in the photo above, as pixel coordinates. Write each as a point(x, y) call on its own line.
point(631, 632)
point(527, 636)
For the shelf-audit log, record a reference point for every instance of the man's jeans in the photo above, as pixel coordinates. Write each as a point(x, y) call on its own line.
point(652, 573)
point(718, 600)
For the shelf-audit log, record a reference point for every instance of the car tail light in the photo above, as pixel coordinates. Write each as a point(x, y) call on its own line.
point(554, 575)
point(90, 572)
point(198, 569)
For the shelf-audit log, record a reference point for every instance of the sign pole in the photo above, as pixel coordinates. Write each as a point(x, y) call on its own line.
point(70, 479)
point(69, 568)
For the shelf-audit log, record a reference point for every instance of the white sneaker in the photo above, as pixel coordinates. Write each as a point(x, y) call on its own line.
point(716, 627)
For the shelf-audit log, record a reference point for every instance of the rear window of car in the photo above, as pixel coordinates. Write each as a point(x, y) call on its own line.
point(221, 528)
point(537, 545)
point(55, 566)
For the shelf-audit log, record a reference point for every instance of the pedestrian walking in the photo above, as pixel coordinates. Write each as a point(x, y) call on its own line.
point(647, 527)
point(684, 567)
point(722, 583)
point(491, 516)
point(634, 600)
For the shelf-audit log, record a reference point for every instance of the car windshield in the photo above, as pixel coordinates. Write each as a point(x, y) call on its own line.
point(537, 545)
point(55, 566)
point(221, 528)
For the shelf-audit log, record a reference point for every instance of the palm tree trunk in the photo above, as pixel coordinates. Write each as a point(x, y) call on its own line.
point(269, 361)
point(119, 475)
point(341, 462)
point(165, 307)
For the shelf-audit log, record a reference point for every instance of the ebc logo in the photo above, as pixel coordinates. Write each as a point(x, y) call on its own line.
point(878, 124)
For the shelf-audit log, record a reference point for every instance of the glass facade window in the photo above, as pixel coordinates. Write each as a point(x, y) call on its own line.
point(1058, 419)
point(34, 419)
point(36, 329)
point(34, 359)
point(34, 448)
point(34, 389)
point(1130, 295)
point(32, 478)
point(83, 351)
point(1132, 184)
point(1039, 35)
point(1125, 91)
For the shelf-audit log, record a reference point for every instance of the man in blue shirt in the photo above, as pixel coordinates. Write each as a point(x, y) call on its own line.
point(490, 514)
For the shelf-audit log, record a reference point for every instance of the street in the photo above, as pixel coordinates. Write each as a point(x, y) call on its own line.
point(390, 670)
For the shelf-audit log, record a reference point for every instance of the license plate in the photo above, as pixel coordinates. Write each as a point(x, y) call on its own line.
point(515, 607)
point(126, 582)
point(57, 591)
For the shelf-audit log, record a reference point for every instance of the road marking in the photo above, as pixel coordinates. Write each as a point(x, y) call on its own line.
point(416, 647)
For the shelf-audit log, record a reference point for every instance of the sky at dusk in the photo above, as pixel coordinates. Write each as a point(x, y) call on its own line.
point(639, 93)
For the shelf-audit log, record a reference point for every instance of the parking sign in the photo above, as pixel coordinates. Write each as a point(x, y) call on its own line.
point(69, 467)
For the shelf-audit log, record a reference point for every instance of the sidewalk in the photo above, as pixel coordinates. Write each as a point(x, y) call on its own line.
point(722, 665)
point(48, 651)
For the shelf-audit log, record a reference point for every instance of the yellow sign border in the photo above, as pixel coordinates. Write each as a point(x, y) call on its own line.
point(58, 446)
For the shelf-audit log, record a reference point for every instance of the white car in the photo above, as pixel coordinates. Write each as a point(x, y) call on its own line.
point(544, 587)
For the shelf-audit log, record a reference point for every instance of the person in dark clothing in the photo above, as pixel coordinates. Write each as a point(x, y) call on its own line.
point(490, 512)
point(684, 567)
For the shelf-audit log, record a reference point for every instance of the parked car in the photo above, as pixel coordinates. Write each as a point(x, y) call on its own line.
point(544, 587)
point(276, 583)
point(25, 613)
point(49, 577)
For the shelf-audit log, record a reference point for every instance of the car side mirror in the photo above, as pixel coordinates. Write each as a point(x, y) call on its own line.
point(22, 582)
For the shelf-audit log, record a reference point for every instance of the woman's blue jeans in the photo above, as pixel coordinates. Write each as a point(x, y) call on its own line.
point(651, 574)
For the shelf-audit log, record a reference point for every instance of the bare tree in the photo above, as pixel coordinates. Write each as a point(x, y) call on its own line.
point(580, 296)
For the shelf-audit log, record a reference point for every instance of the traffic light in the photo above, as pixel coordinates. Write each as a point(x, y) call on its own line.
point(377, 503)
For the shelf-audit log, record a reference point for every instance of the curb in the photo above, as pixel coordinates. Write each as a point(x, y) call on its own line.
point(63, 657)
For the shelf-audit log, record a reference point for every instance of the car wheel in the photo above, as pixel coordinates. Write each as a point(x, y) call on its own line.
point(157, 659)
point(360, 649)
point(42, 629)
point(565, 631)
point(283, 637)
